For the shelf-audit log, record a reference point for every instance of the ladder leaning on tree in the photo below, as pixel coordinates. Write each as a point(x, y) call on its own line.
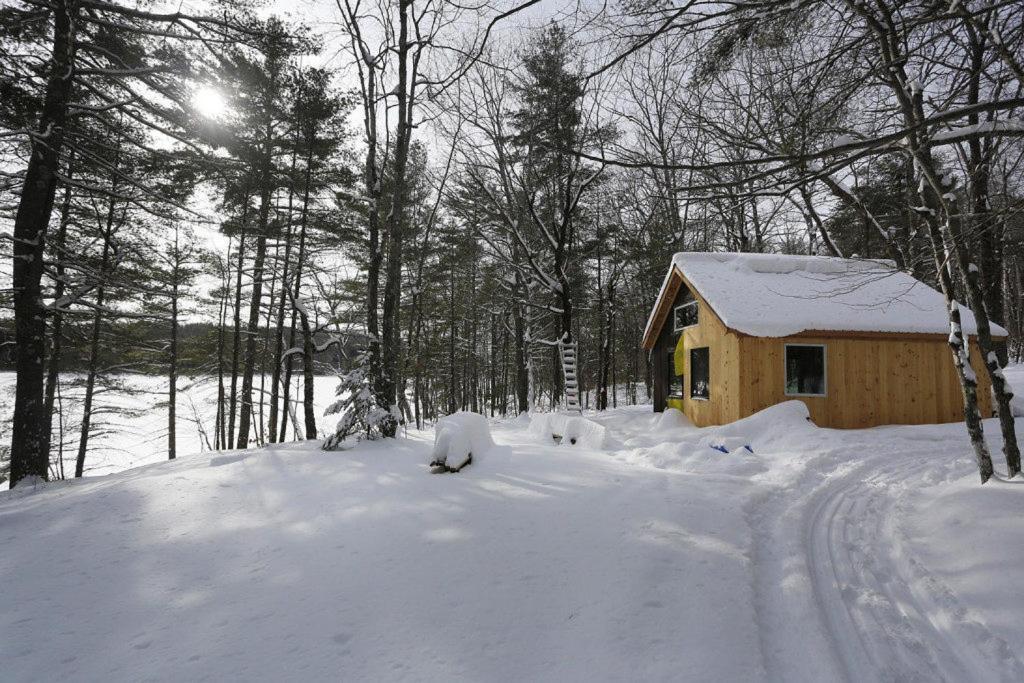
point(572, 391)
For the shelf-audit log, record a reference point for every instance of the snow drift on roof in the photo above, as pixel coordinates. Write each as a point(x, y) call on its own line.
point(771, 295)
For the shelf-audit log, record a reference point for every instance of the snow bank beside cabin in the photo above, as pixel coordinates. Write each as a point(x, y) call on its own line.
point(672, 419)
point(460, 438)
point(738, 448)
point(568, 429)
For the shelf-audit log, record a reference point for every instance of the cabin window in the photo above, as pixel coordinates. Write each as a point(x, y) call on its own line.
point(805, 370)
point(685, 314)
point(700, 374)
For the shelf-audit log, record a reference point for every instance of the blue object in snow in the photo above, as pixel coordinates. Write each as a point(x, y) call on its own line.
point(749, 448)
point(722, 449)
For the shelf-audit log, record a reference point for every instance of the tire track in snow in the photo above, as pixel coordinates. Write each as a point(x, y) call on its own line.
point(838, 597)
point(880, 631)
point(794, 646)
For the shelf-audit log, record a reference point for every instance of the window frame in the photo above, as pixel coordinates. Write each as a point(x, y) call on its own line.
point(691, 373)
point(675, 318)
point(824, 370)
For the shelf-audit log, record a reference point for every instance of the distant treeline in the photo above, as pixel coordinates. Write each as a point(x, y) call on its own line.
point(142, 347)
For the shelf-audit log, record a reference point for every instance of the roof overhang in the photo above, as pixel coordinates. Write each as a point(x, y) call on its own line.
point(674, 279)
point(662, 307)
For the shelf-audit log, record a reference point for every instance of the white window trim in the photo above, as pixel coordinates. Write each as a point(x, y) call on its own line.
point(689, 360)
point(824, 369)
point(675, 327)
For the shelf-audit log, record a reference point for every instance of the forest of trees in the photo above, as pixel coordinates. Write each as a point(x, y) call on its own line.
point(433, 206)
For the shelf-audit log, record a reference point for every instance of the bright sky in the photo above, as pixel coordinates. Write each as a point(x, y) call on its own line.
point(322, 17)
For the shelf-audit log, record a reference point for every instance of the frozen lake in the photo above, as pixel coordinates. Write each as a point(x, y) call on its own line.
point(130, 427)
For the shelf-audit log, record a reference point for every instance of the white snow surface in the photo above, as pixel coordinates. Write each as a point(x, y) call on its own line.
point(672, 419)
point(774, 295)
point(459, 436)
point(1014, 374)
point(815, 555)
point(574, 429)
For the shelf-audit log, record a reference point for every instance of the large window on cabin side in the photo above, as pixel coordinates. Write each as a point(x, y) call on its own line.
point(685, 314)
point(700, 373)
point(805, 370)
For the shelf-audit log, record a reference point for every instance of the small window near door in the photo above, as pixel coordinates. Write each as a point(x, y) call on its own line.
point(700, 374)
point(805, 370)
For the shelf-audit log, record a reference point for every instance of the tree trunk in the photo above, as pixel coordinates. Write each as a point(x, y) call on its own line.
point(220, 423)
point(521, 360)
point(931, 196)
point(492, 366)
point(236, 342)
point(308, 384)
point(957, 341)
point(391, 352)
point(94, 344)
point(263, 222)
point(172, 372)
point(452, 326)
point(503, 390)
point(245, 415)
point(56, 333)
point(29, 440)
point(275, 382)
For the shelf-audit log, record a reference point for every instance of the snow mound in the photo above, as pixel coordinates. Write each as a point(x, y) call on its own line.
point(701, 456)
point(571, 429)
point(672, 419)
point(777, 425)
point(738, 448)
point(460, 438)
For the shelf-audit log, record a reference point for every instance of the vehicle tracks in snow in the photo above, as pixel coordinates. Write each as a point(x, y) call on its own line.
point(838, 595)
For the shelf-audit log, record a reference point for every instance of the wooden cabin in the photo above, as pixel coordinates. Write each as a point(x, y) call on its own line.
point(861, 343)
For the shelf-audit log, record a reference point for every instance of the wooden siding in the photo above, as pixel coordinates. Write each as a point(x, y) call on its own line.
point(869, 381)
point(723, 406)
point(872, 378)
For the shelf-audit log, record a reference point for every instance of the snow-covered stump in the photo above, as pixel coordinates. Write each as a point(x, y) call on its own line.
point(567, 429)
point(458, 439)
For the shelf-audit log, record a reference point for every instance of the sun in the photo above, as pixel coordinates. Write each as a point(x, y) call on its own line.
point(208, 102)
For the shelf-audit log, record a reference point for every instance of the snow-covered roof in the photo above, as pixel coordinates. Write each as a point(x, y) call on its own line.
point(772, 295)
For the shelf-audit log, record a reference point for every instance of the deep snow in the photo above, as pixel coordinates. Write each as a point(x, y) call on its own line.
point(812, 555)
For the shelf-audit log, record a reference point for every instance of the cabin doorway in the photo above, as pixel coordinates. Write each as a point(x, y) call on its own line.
point(673, 382)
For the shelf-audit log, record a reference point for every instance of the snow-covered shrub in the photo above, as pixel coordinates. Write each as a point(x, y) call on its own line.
point(360, 414)
point(459, 438)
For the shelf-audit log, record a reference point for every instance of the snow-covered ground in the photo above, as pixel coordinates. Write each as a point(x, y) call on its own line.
point(802, 554)
point(130, 423)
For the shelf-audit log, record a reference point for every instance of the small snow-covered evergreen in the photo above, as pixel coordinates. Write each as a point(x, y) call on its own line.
point(360, 413)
